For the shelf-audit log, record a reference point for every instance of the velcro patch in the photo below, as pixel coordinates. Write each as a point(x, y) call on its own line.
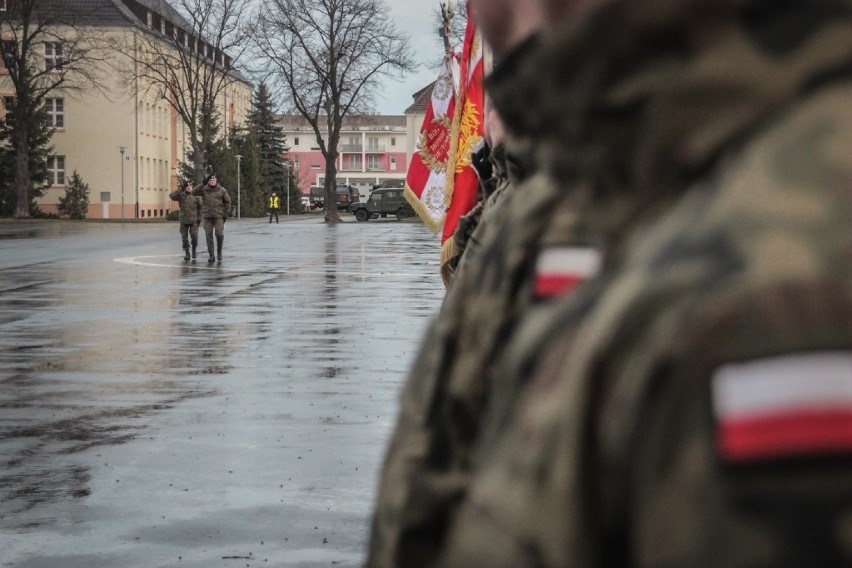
point(784, 407)
point(561, 269)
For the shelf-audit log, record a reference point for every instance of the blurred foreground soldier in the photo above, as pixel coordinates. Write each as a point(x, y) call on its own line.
point(273, 206)
point(700, 412)
point(190, 216)
point(216, 207)
point(451, 396)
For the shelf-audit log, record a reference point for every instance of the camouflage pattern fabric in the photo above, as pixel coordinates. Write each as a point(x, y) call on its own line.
point(216, 201)
point(447, 395)
point(717, 163)
point(190, 206)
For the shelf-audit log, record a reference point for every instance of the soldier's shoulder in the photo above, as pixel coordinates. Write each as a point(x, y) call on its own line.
point(775, 210)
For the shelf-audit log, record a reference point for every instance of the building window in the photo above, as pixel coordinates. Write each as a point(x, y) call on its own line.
point(354, 162)
point(149, 17)
point(162, 25)
point(373, 143)
point(393, 162)
point(56, 170)
point(372, 162)
point(52, 55)
point(393, 141)
point(2, 5)
point(295, 141)
point(55, 108)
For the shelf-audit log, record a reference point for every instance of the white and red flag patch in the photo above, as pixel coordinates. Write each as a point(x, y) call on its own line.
point(559, 270)
point(784, 407)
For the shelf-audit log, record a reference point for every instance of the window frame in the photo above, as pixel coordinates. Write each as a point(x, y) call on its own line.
point(56, 58)
point(56, 172)
point(56, 115)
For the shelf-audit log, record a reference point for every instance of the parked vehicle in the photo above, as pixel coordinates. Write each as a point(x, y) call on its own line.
point(346, 196)
point(383, 202)
point(316, 197)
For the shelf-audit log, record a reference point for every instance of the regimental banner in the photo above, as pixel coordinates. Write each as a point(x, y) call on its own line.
point(466, 138)
point(426, 181)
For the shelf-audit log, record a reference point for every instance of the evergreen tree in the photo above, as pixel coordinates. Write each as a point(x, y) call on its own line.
point(39, 135)
point(271, 144)
point(75, 204)
point(254, 198)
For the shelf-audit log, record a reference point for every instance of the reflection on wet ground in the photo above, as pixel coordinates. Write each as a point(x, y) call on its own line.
point(155, 412)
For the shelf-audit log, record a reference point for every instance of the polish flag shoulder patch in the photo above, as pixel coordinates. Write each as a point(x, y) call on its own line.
point(792, 406)
point(559, 270)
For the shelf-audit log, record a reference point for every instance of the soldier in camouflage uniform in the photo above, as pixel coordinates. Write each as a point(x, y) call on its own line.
point(216, 207)
point(691, 406)
point(450, 391)
point(190, 216)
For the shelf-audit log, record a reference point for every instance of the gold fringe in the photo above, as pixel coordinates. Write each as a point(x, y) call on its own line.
point(422, 212)
point(448, 253)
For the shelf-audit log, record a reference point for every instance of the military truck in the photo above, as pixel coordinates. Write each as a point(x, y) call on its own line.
point(383, 202)
point(317, 197)
point(346, 194)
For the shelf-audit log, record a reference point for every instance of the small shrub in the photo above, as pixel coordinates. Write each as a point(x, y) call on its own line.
point(75, 204)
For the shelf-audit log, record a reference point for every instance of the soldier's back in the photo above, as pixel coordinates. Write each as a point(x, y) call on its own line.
point(701, 414)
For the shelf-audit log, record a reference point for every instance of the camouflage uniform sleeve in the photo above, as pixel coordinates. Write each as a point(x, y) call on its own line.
point(227, 200)
point(735, 448)
point(174, 195)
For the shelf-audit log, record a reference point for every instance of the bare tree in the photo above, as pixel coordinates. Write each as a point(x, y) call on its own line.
point(328, 57)
point(47, 47)
point(189, 56)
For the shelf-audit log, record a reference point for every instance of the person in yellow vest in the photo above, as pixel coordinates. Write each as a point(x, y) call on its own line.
point(273, 207)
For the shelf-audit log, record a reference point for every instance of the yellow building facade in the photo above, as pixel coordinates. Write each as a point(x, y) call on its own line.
point(125, 139)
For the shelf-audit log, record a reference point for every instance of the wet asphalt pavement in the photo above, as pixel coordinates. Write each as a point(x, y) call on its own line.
point(162, 413)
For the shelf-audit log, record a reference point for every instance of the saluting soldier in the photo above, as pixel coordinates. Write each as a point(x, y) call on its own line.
point(190, 216)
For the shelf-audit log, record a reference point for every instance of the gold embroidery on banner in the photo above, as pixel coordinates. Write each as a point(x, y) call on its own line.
point(468, 136)
point(434, 144)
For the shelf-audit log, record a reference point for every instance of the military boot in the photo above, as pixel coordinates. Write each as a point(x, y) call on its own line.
point(212, 258)
point(193, 251)
point(219, 251)
point(186, 253)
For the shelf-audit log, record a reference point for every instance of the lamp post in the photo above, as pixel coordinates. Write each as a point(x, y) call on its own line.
point(121, 149)
point(238, 185)
point(288, 188)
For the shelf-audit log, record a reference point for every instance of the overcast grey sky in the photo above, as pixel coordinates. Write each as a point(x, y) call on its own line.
point(417, 19)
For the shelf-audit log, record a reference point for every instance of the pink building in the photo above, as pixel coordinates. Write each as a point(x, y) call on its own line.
point(372, 148)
